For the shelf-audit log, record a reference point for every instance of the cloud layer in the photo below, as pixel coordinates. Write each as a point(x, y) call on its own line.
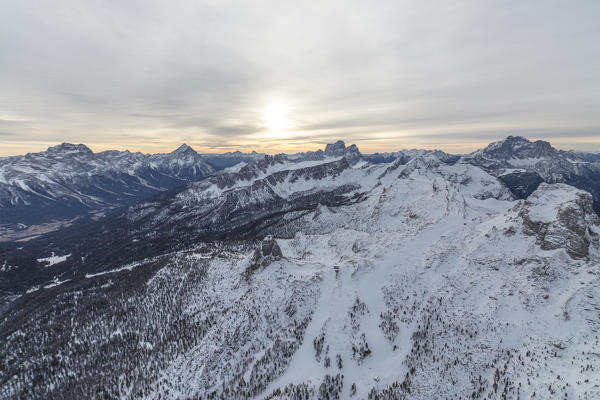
point(148, 75)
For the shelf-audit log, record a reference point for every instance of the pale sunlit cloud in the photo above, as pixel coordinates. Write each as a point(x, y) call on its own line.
point(274, 76)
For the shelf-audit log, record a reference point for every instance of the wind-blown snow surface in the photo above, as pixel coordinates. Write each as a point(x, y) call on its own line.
point(431, 283)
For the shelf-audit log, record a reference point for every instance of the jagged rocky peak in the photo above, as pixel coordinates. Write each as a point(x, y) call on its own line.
point(65, 148)
point(520, 147)
point(69, 182)
point(522, 164)
point(521, 183)
point(184, 149)
point(561, 216)
point(339, 149)
point(352, 154)
point(268, 252)
point(336, 149)
point(426, 160)
point(248, 172)
point(263, 164)
point(423, 161)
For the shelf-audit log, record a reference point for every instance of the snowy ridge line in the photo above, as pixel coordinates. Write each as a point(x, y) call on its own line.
point(136, 264)
point(127, 267)
point(52, 260)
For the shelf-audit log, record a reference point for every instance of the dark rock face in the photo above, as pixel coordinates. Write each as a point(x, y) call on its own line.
point(521, 184)
point(336, 149)
point(519, 148)
point(339, 149)
point(268, 252)
point(70, 148)
point(352, 155)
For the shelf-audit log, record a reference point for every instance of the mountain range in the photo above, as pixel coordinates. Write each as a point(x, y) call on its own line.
point(40, 192)
point(319, 275)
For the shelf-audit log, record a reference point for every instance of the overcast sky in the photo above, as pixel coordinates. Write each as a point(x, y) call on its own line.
point(279, 76)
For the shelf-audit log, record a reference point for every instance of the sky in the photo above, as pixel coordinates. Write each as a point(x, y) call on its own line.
point(279, 76)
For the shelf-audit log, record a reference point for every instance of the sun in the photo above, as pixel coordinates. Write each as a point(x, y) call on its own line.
point(275, 117)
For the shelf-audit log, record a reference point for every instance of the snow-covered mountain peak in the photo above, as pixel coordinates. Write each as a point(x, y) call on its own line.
point(251, 171)
point(518, 147)
point(549, 199)
point(522, 165)
point(69, 181)
point(184, 149)
point(415, 160)
point(183, 157)
point(403, 156)
point(426, 160)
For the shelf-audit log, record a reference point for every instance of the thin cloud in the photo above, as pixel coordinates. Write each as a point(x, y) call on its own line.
point(398, 73)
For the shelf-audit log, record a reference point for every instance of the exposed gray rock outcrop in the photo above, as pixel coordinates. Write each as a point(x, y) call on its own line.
point(352, 155)
point(336, 149)
point(268, 252)
point(339, 149)
point(571, 224)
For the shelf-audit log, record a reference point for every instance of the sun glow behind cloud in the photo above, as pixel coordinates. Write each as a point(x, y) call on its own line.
point(292, 76)
point(275, 117)
point(276, 120)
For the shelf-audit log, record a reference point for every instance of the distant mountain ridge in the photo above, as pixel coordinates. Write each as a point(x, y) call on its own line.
point(40, 192)
point(69, 181)
point(522, 165)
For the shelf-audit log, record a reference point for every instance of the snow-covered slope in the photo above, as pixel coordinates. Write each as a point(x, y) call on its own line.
point(406, 155)
point(418, 279)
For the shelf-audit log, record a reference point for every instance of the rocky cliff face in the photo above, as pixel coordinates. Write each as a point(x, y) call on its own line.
point(571, 224)
point(268, 252)
point(336, 149)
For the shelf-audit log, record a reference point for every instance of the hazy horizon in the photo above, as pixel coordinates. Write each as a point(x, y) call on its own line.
point(275, 77)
